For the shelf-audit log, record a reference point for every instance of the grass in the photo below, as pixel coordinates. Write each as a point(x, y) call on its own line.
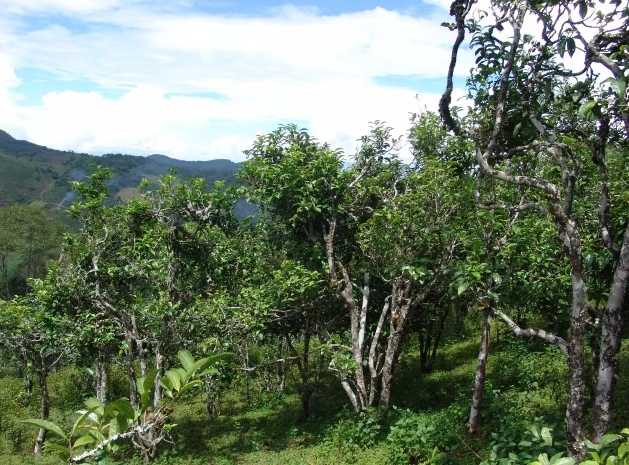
point(525, 381)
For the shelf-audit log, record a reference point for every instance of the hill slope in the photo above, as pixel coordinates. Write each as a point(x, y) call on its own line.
point(31, 173)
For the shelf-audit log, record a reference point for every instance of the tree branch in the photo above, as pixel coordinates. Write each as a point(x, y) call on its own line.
point(531, 332)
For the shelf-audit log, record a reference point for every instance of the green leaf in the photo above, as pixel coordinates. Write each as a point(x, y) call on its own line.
point(209, 371)
point(190, 385)
point(462, 288)
point(592, 446)
point(571, 46)
point(586, 108)
point(175, 379)
point(146, 384)
point(104, 460)
point(83, 440)
point(166, 383)
point(609, 438)
point(63, 451)
point(118, 425)
point(563, 461)
point(47, 425)
point(122, 406)
point(79, 422)
point(617, 85)
point(186, 359)
point(517, 128)
point(583, 9)
point(95, 403)
point(535, 431)
point(558, 456)
point(546, 436)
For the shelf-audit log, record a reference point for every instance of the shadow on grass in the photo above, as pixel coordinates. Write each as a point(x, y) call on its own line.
point(454, 371)
point(269, 429)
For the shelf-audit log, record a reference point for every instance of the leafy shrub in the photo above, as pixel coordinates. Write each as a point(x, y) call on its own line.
point(412, 440)
point(354, 432)
point(613, 450)
point(14, 405)
point(69, 387)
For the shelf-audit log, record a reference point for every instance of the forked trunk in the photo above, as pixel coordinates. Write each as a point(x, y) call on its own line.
point(400, 306)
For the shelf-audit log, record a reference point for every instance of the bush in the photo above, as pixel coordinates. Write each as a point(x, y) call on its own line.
point(69, 387)
point(413, 441)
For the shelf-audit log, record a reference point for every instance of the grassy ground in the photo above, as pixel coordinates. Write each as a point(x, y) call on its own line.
point(525, 386)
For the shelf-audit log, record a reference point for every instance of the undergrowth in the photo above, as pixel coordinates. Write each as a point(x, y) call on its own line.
point(522, 416)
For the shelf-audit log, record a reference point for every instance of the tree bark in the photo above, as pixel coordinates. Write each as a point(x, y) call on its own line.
point(101, 378)
point(44, 410)
point(611, 329)
point(400, 306)
point(577, 368)
point(211, 393)
point(479, 381)
point(131, 374)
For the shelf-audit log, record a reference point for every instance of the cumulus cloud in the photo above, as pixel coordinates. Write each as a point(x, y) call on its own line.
point(292, 64)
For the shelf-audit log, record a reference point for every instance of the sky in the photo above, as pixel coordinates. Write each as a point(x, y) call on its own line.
point(197, 79)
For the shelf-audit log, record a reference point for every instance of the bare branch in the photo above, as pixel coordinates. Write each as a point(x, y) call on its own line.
point(531, 332)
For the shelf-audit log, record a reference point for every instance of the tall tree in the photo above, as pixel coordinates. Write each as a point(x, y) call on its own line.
point(384, 228)
point(536, 123)
point(29, 237)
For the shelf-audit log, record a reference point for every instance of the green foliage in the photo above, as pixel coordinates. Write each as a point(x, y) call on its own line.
point(32, 172)
point(412, 441)
point(353, 433)
point(612, 450)
point(99, 426)
point(29, 237)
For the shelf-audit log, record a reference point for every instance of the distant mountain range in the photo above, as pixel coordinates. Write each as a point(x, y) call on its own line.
point(32, 174)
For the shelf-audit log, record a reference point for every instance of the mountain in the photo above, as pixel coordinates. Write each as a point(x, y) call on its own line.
point(34, 174)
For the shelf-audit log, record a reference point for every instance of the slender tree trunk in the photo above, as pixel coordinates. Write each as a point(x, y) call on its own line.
point(281, 364)
point(576, 366)
point(611, 337)
point(314, 398)
point(479, 381)
point(44, 410)
point(400, 305)
point(101, 378)
point(375, 359)
point(211, 393)
point(131, 374)
point(425, 341)
point(27, 380)
point(437, 338)
point(159, 364)
point(388, 368)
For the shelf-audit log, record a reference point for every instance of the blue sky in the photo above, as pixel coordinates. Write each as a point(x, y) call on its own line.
point(197, 79)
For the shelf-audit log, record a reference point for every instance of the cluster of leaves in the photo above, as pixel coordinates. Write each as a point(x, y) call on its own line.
point(98, 428)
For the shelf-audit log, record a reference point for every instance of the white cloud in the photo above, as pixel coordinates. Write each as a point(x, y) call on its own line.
point(291, 65)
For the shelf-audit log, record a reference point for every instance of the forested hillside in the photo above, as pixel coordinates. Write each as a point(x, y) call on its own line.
point(35, 194)
point(454, 295)
point(32, 173)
